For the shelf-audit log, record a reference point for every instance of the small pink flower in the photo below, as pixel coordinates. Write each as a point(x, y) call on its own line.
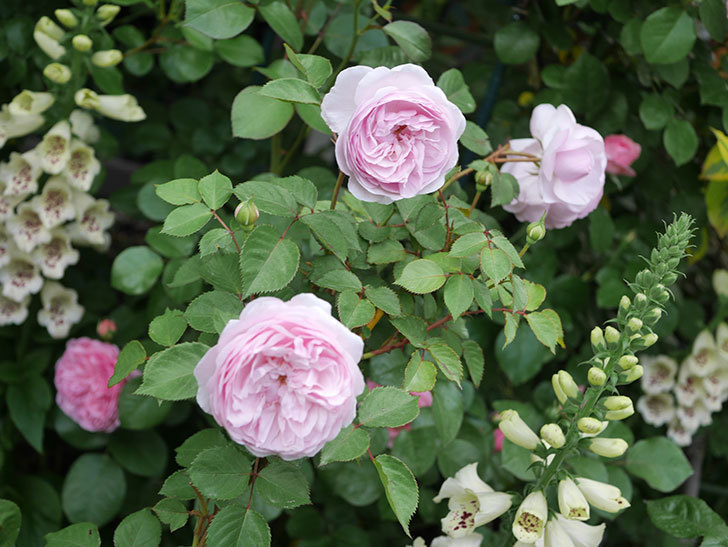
point(498, 440)
point(283, 378)
point(81, 378)
point(106, 329)
point(621, 153)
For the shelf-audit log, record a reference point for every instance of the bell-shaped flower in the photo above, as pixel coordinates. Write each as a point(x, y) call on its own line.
point(530, 518)
point(471, 540)
point(692, 417)
point(704, 357)
point(47, 34)
point(82, 166)
point(54, 205)
point(7, 203)
point(656, 409)
point(55, 256)
point(20, 277)
point(92, 219)
point(689, 387)
point(118, 107)
point(30, 102)
point(721, 342)
point(555, 535)
point(517, 431)
point(679, 432)
point(472, 502)
point(54, 150)
point(7, 247)
point(27, 228)
point(60, 309)
point(572, 503)
point(83, 126)
point(715, 403)
point(602, 495)
point(12, 312)
point(608, 448)
point(578, 534)
point(12, 126)
point(659, 373)
point(20, 174)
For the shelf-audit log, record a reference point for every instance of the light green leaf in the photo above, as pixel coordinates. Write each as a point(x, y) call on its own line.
point(660, 462)
point(349, 444)
point(453, 84)
point(447, 410)
point(412, 38)
point(339, 280)
point(388, 407)
point(422, 276)
point(242, 51)
point(177, 485)
point(680, 141)
point(283, 22)
point(475, 139)
point(412, 328)
point(546, 326)
point(683, 516)
point(140, 529)
point(215, 189)
point(326, 230)
point(171, 512)
point(354, 311)
point(667, 35)
point(166, 329)
point(257, 117)
point(483, 297)
point(400, 487)
point(495, 264)
point(474, 360)
point(291, 90)
point(168, 374)
point(220, 472)
point(28, 402)
point(236, 526)
point(656, 111)
point(186, 220)
point(503, 189)
point(283, 485)
point(316, 69)
point(131, 356)
point(218, 19)
point(458, 294)
point(468, 245)
point(178, 191)
point(10, 519)
point(268, 262)
point(202, 440)
point(274, 199)
point(419, 375)
point(211, 311)
point(385, 299)
point(83, 534)
point(135, 270)
point(447, 360)
point(386, 252)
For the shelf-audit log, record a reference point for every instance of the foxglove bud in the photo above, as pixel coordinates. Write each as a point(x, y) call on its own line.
point(670, 277)
point(531, 518)
point(634, 324)
point(66, 17)
point(106, 58)
point(632, 375)
point(640, 299)
point(568, 385)
point(246, 213)
point(653, 316)
point(597, 339)
point(536, 231)
point(572, 503)
point(624, 305)
point(30, 102)
point(608, 448)
point(618, 407)
point(601, 495)
point(81, 42)
point(612, 336)
point(627, 361)
point(552, 434)
point(643, 342)
point(57, 72)
point(560, 395)
point(49, 28)
point(517, 431)
point(596, 376)
point(107, 12)
point(590, 426)
point(659, 294)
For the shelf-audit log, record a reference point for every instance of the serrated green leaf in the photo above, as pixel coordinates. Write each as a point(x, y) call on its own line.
point(283, 22)
point(171, 512)
point(386, 252)
point(349, 444)
point(327, 232)
point(177, 486)
point(546, 326)
point(218, 19)
point(503, 189)
point(202, 440)
point(458, 294)
point(221, 472)
point(422, 276)
point(683, 516)
point(412, 38)
point(385, 299)
point(291, 90)
point(495, 264)
point(130, 357)
point(388, 407)
point(236, 526)
point(210, 311)
point(412, 328)
point(179, 191)
point(536, 295)
point(83, 534)
point(453, 84)
point(215, 189)
point(186, 220)
point(400, 487)
point(168, 374)
point(475, 139)
point(283, 485)
point(340, 280)
point(468, 245)
point(419, 375)
point(139, 529)
point(447, 361)
point(482, 297)
point(354, 311)
point(221, 271)
point(166, 329)
point(504, 244)
point(474, 360)
point(268, 262)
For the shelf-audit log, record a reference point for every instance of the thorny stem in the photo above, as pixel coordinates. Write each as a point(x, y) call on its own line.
point(474, 203)
point(447, 220)
point(227, 229)
point(335, 196)
point(204, 515)
point(253, 477)
point(500, 155)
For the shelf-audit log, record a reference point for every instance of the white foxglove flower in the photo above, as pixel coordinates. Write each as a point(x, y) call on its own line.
point(17, 126)
point(472, 502)
point(530, 518)
point(55, 149)
point(721, 343)
point(49, 45)
point(581, 533)
point(20, 277)
point(659, 373)
point(55, 256)
point(572, 503)
point(704, 357)
point(82, 125)
point(92, 219)
point(517, 431)
point(7, 247)
point(656, 409)
point(54, 205)
point(12, 312)
point(552, 434)
point(602, 495)
point(47, 26)
point(679, 433)
point(60, 309)
point(618, 407)
point(30, 102)
point(714, 403)
point(20, 174)
point(118, 107)
point(716, 382)
point(7, 203)
point(27, 228)
point(692, 417)
point(720, 282)
point(689, 388)
point(471, 540)
point(555, 535)
point(608, 448)
point(82, 166)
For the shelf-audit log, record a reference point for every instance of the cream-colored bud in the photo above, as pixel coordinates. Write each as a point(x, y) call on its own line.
point(597, 339)
point(552, 434)
point(590, 426)
point(107, 12)
point(627, 361)
point(517, 431)
point(618, 407)
point(632, 375)
point(57, 72)
point(602, 495)
point(640, 299)
point(608, 448)
point(624, 304)
point(49, 28)
point(611, 335)
point(66, 17)
point(106, 58)
point(81, 42)
point(634, 324)
point(568, 385)
point(560, 395)
point(649, 339)
point(596, 376)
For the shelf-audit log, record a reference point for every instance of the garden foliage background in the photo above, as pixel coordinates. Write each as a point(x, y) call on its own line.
point(653, 70)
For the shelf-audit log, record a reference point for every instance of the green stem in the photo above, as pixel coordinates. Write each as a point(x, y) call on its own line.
point(275, 153)
point(335, 196)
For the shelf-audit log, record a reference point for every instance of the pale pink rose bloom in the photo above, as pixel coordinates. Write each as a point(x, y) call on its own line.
point(621, 153)
point(568, 181)
point(397, 132)
point(498, 440)
point(106, 329)
point(283, 378)
point(82, 376)
point(424, 398)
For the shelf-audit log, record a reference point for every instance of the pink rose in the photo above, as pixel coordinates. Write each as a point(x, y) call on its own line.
point(568, 181)
point(621, 153)
point(82, 377)
point(283, 379)
point(397, 132)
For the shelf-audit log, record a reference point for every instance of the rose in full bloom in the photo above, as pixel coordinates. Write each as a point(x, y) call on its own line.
point(621, 153)
point(397, 132)
point(568, 180)
point(82, 376)
point(283, 378)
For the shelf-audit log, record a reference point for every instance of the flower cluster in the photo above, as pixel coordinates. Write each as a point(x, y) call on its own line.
point(685, 396)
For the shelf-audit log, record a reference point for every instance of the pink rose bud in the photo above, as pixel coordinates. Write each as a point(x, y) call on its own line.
point(283, 378)
point(397, 132)
point(498, 440)
point(81, 378)
point(621, 153)
point(106, 329)
point(568, 182)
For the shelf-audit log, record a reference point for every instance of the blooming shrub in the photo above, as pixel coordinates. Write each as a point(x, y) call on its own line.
point(328, 273)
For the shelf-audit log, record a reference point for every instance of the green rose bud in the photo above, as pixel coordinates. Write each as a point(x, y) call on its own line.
point(246, 213)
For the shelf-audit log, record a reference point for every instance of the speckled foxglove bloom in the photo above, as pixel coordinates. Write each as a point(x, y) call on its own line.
point(572, 503)
point(692, 417)
point(472, 502)
point(12, 312)
point(81, 379)
point(55, 256)
point(30, 103)
point(656, 409)
point(54, 205)
point(659, 373)
point(82, 125)
point(27, 228)
point(7, 203)
point(54, 150)
point(82, 166)
point(283, 378)
point(118, 107)
point(703, 359)
point(12, 126)
point(20, 174)
point(60, 310)
point(20, 277)
point(530, 518)
point(689, 387)
point(93, 218)
point(568, 181)
point(569, 533)
point(397, 132)
point(7, 246)
point(602, 495)
point(679, 432)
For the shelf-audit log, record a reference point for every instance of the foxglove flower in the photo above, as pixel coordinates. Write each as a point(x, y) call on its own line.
point(118, 107)
point(82, 166)
point(692, 417)
point(721, 339)
point(60, 309)
point(703, 359)
point(656, 409)
point(7, 247)
point(517, 431)
point(578, 534)
point(530, 518)
point(12, 312)
point(716, 383)
point(471, 540)
point(472, 502)
point(30, 103)
point(679, 432)
point(47, 34)
point(572, 503)
point(17, 126)
point(20, 277)
point(602, 495)
point(55, 149)
point(92, 219)
point(53, 257)
point(83, 126)
point(689, 388)
point(659, 374)
point(57, 72)
point(7, 203)
point(27, 228)
point(20, 174)
point(54, 205)
point(608, 448)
